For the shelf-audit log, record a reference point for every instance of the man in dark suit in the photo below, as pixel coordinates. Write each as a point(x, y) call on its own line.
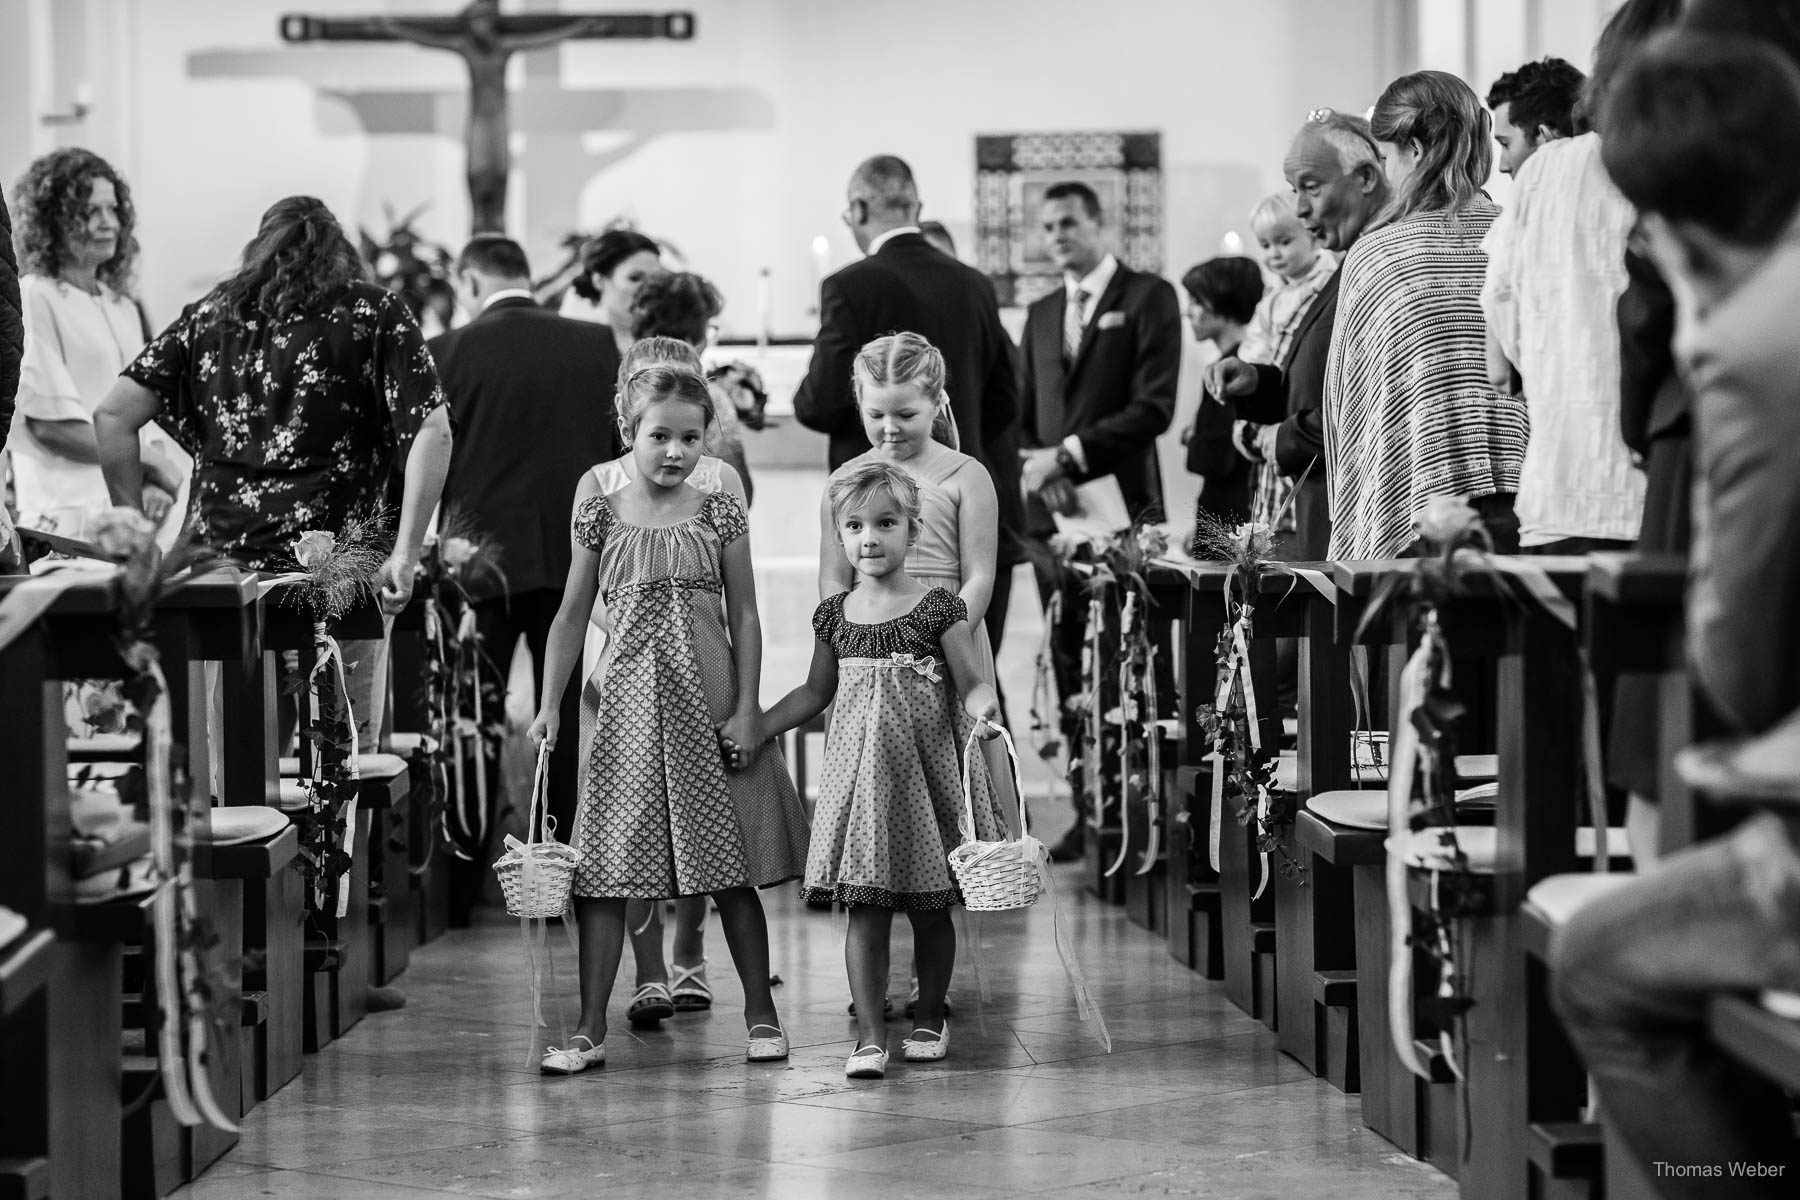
point(1101, 358)
point(532, 394)
point(905, 284)
point(1339, 187)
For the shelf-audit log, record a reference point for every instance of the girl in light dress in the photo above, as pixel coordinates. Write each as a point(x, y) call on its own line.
point(894, 654)
point(678, 797)
point(664, 986)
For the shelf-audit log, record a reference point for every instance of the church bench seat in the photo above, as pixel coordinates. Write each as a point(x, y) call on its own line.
point(1765, 1041)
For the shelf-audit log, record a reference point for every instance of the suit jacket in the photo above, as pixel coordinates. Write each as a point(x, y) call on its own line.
point(1118, 395)
point(12, 325)
point(1743, 367)
point(909, 285)
point(1292, 396)
point(532, 396)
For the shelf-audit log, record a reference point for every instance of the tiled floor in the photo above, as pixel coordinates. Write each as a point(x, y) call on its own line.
point(444, 1097)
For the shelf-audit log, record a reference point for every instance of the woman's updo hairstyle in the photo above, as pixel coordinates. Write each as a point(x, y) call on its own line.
point(656, 351)
point(661, 381)
point(862, 483)
point(602, 256)
point(675, 304)
point(1444, 115)
point(908, 360)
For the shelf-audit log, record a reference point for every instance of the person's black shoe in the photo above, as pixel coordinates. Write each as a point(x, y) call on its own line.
point(1072, 846)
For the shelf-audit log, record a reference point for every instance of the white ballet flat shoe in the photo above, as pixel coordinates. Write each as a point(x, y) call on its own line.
point(571, 1060)
point(869, 1062)
point(766, 1048)
point(913, 1049)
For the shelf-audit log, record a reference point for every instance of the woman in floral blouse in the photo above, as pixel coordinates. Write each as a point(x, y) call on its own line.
point(300, 388)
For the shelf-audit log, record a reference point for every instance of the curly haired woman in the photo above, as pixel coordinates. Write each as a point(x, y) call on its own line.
point(75, 235)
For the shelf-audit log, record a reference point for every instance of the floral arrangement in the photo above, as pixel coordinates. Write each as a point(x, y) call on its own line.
point(744, 385)
point(464, 708)
point(419, 271)
point(336, 572)
point(196, 998)
point(1244, 773)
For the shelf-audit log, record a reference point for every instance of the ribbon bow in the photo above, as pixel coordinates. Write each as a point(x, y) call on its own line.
point(924, 664)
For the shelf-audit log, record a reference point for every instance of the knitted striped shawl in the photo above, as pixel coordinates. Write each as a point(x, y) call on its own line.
point(1409, 413)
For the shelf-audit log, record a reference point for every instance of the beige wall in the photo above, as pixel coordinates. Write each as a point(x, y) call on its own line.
point(734, 146)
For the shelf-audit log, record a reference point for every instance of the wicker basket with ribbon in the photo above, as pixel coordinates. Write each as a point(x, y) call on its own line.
point(535, 875)
point(995, 876)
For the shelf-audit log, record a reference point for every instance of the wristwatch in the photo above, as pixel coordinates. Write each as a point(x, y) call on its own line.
point(1065, 462)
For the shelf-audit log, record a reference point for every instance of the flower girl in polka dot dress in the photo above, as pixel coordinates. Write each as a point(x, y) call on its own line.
point(895, 655)
point(660, 813)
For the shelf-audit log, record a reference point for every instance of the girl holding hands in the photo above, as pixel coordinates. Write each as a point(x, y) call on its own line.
point(659, 814)
point(894, 654)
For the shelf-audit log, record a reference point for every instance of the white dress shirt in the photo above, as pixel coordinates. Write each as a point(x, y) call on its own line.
point(507, 294)
point(882, 239)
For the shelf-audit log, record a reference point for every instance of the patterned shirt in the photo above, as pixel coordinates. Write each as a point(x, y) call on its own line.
point(296, 423)
point(1409, 413)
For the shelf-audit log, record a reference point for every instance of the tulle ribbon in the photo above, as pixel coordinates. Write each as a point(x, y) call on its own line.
point(1415, 682)
point(1127, 694)
point(1038, 855)
point(327, 654)
point(533, 931)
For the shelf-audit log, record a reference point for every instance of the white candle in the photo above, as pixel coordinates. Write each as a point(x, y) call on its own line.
point(821, 254)
point(763, 303)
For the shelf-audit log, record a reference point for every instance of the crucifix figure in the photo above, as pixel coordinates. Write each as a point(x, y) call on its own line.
point(486, 40)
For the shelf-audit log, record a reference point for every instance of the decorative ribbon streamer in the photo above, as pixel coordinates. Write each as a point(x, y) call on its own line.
point(1217, 821)
point(178, 969)
point(327, 653)
point(1403, 763)
point(1092, 775)
point(924, 665)
point(1152, 727)
point(1127, 626)
point(467, 637)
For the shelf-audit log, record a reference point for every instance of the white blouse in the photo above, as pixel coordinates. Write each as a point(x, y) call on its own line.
point(75, 346)
point(1556, 268)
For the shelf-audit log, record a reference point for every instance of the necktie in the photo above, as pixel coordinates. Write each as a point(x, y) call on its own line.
point(1072, 324)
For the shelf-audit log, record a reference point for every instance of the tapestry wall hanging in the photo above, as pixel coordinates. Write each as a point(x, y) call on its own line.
point(1013, 170)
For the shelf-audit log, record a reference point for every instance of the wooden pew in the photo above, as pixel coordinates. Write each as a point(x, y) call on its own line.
point(64, 1043)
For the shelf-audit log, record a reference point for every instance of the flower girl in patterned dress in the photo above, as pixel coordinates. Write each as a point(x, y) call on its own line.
point(660, 814)
point(895, 655)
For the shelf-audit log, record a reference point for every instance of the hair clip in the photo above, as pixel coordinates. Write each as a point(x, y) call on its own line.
point(1320, 114)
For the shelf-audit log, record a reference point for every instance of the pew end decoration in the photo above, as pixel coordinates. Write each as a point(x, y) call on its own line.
point(1117, 757)
point(465, 713)
point(196, 995)
point(1243, 768)
point(336, 573)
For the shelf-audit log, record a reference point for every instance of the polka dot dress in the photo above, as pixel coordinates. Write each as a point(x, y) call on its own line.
point(659, 814)
point(891, 790)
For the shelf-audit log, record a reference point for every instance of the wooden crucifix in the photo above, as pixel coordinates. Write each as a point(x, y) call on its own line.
point(486, 39)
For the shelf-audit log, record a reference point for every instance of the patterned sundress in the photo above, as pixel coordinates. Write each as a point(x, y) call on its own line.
point(891, 790)
point(659, 814)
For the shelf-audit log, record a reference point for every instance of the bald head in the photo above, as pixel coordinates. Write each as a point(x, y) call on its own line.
point(882, 196)
point(1335, 171)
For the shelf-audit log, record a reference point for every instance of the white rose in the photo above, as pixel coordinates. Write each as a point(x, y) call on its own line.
point(456, 551)
point(1446, 520)
point(313, 548)
point(119, 533)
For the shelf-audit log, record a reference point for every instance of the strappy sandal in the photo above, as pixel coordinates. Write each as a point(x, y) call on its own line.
point(914, 1050)
point(651, 1005)
point(766, 1048)
point(688, 988)
point(571, 1060)
point(869, 1062)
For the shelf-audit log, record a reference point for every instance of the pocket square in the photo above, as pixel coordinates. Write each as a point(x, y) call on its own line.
point(1111, 320)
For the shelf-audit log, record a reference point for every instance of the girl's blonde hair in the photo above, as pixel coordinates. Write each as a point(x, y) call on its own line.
point(660, 380)
point(860, 484)
point(906, 359)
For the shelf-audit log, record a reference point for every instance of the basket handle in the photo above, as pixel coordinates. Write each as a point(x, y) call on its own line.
point(965, 822)
point(538, 816)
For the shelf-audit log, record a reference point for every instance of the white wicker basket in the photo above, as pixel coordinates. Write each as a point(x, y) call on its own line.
point(537, 876)
point(996, 876)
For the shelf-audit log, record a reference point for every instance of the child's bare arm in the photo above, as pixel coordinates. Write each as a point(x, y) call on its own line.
point(562, 649)
point(806, 701)
point(980, 699)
